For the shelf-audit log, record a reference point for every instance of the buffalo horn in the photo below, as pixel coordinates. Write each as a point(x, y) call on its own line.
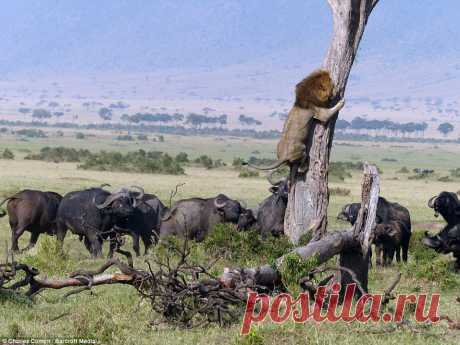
point(111, 198)
point(218, 204)
point(140, 190)
point(432, 201)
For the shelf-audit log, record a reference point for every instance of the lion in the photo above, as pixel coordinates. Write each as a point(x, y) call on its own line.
point(313, 95)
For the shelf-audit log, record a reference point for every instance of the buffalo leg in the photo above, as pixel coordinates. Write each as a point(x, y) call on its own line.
point(390, 253)
point(15, 234)
point(33, 240)
point(136, 245)
point(378, 255)
point(405, 249)
point(61, 231)
point(147, 240)
point(398, 254)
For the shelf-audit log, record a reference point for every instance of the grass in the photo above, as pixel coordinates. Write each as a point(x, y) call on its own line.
point(116, 315)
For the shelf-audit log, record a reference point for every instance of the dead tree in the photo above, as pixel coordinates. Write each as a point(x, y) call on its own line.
point(309, 196)
point(352, 246)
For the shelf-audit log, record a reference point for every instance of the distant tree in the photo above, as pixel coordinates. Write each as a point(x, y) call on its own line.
point(7, 154)
point(53, 104)
point(80, 136)
point(41, 114)
point(182, 157)
point(248, 120)
point(24, 110)
point(58, 113)
point(105, 114)
point(445, 128)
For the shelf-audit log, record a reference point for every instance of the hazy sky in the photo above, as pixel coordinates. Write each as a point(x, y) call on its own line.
point(82, 36)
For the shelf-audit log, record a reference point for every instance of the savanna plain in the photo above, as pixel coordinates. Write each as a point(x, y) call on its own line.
point(116, 314)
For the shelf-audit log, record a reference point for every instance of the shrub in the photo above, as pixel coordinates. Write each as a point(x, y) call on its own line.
point(294, 268)
point(445, 179)
point(138, 161)
point(59, 154)
point(403, 170)
point(49, 257)
point(31, 133)
point(208, 163)
point(245, 247)
point(182, 157)
point(142, 137)
point(340, 191)
point(246, 173)
point(125, 137)
point(79, 136)
point(7, 154)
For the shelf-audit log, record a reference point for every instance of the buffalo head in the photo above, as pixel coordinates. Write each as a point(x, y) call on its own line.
point(246, 220)
point(349, 213)
point(121, 203)
point(229, 209)
point(279, 188)
point(446, 204)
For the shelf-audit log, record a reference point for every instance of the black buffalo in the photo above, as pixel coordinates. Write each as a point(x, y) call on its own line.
point(246, 220)
point(144, 223)
point(389, 239)
point(448, 239)
point(196, 217)
point(447, 205)
point(34, 211)
point(270, 216)
point(387, 212)
point(93, 213)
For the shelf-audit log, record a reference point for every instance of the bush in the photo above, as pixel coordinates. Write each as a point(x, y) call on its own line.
point(340, 191)
point(208, 163)
point(138, 161)
point(403, 170)
point(31, 133)
point(49, 257)
point(59, 154)
point(79, 136)
point(182, 157)
point(246, 173)
point(142, 137)
point(125, 138)
point(7, 154)
point(246, 247)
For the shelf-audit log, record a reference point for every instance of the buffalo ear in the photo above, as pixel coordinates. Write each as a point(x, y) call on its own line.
point(273, 189)
point(457, 210)
point(378, 219)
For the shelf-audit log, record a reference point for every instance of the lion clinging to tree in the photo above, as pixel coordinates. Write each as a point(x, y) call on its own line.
point(313, 95)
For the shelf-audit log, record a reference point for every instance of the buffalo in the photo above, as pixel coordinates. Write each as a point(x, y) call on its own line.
point(246, 220)
point(270, 216)
point(447, 205)
point(387, 213)
point(93, 213)
point(144, 223)
point(448, 239)
point(34, 211)
point(195, 218)
point(389, 238)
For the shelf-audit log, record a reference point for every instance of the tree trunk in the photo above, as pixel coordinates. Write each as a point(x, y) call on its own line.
point(309, 196)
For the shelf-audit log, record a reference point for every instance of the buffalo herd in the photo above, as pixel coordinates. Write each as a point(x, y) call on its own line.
point(96, 214)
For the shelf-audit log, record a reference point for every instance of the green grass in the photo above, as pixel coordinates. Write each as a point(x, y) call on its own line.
point(116, 315)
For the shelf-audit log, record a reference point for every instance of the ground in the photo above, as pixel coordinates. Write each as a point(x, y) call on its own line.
point(116, 315)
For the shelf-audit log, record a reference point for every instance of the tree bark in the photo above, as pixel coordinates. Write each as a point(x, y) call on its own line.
point(309, 196)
